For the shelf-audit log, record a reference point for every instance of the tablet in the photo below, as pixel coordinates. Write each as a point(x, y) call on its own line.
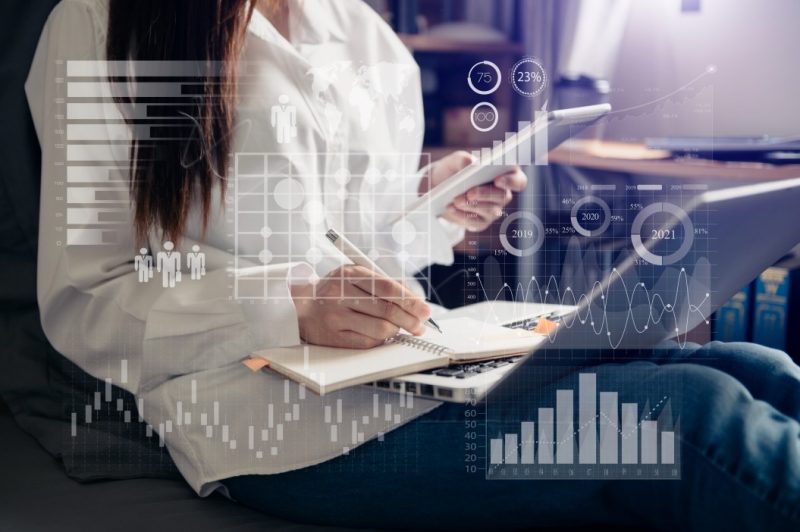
point(560, 125)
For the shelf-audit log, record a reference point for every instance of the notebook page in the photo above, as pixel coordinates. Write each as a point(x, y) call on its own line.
point(330, 368)
point(472, 339)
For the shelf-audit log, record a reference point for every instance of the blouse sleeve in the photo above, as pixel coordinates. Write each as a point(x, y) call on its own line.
point(93, 308)
point(426, 238)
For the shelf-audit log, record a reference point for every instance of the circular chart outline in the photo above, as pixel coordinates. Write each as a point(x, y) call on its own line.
point(533, 248)
point(472, 117)
point(636, 236)
point(496, 85)
point(573, 217)
point(536, 62)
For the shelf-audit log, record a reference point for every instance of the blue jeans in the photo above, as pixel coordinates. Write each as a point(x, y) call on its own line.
point(739, 448)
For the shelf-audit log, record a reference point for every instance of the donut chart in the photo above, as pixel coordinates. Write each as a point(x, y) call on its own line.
point(576, 223)
point(484, 77)
point(536, 234)
point(479, 116)
point(638, 243)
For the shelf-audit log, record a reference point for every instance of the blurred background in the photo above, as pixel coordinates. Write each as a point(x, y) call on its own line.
point(680, 74)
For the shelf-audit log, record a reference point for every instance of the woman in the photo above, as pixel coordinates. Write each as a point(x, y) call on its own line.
point(330, 93)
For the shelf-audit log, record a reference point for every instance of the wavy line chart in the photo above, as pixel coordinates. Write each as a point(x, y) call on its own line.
point(674, 313)
point(621, 305)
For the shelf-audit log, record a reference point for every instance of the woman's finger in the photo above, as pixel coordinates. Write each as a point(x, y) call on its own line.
point(469, 220)
point(488, 214)
point(482, 208)
point(388, 289)
point(458, 160)
point(375, 328)
point(489, 194)
point(352, 340)
point(365, 303)
point(514, 181)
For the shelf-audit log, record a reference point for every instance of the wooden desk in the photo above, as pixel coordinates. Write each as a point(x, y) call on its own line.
point(636, 159)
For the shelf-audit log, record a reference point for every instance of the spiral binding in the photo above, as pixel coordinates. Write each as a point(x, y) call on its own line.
point(419, 343)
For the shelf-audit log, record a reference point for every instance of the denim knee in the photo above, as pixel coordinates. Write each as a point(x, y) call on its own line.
point(749, 349)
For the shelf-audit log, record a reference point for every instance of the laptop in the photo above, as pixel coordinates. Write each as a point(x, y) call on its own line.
point(461, 382)
point(755, 225)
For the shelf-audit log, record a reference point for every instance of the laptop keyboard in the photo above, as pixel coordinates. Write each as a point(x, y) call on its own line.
point(527, 324)
point(464, 371)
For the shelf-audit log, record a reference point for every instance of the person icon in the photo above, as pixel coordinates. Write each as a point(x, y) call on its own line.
point(283, 118)
point(143, 264)
point(168, 263)
point(196, 262)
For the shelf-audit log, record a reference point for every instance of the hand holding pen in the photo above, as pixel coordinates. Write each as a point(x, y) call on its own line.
point(358, 258)
point(356, 306)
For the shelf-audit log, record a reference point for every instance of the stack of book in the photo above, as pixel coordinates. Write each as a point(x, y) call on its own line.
point(766, 312)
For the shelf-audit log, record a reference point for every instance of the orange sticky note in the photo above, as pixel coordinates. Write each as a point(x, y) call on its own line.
point(255, 364)
point(545, 326)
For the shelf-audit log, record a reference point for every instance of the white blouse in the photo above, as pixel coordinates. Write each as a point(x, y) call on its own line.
point(347, 158)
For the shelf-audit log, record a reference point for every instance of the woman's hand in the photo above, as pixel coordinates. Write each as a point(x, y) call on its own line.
point(356, 308)
point(480, 206)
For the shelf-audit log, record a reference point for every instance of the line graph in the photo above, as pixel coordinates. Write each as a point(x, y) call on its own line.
point(621, 113)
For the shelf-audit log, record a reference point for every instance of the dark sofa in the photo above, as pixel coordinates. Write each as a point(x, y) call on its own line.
point(49, 481)
point(36, 495)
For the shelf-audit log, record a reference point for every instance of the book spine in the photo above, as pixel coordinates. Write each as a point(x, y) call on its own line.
point(771, 308)
point(404, 16)
point(793, 317)
point(732, 321)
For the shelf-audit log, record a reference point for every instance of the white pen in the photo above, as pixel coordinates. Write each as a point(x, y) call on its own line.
point(360, 259)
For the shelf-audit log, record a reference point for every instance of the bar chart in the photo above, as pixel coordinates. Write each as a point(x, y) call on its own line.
point(586, 434)
point(96, 168)
point(524, 147)
point(97, 135)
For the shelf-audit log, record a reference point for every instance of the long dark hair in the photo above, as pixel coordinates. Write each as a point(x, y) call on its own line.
point(210, 33)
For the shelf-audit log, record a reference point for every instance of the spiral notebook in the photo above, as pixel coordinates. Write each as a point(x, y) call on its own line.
point(327, 369)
